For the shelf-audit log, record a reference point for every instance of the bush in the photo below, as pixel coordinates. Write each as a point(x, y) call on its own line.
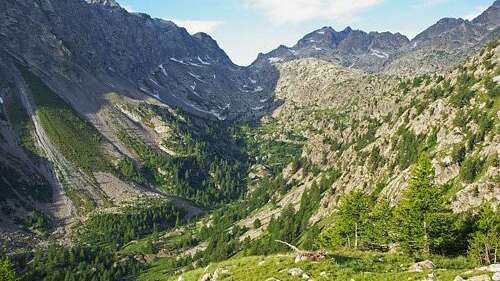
point(471, 168)
point(257, 223)
point(7, 271)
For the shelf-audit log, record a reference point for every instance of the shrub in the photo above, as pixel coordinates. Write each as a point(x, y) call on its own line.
point(471, 168)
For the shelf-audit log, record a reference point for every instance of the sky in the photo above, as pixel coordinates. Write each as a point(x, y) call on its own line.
point(244, 28)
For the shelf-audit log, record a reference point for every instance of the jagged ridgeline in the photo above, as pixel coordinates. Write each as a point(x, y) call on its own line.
point(132, 150)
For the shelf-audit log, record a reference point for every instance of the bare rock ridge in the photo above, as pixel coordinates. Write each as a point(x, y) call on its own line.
point(437, 48)
point(107, 3)
point(352, 48)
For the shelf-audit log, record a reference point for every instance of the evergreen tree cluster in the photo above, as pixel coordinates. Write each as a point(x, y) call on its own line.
point(210, 168)
point(420, 224)
point(116, 229)
point(80, 263)
point(291, 224)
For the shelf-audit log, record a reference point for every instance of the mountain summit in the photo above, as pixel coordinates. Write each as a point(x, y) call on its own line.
point(440, 46)
point(106, 3)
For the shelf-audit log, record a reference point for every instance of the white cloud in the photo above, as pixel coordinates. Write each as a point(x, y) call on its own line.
point(128, 8)
point(296, 11)
point(476, 11)
point(194, 26)
point(430, 3)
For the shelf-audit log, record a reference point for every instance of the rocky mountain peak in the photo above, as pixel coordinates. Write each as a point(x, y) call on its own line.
point(439, 28)
point(106, 3)
point(490, 18)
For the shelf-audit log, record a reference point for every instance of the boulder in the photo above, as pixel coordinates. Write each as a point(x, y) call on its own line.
point(220, 272)
point(496, 276)
point(206, 277)
point(421, 266)
point(483, 277)
point(458, 278)
point(295, 271)
point(494, 267)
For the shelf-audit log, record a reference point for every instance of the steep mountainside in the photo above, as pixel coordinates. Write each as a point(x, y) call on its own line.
point(129, 53)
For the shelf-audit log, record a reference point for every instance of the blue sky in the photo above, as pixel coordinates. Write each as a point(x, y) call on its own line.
point(243, 28)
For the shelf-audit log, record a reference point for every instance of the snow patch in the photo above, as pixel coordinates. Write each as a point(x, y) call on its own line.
point(258, 89)
point(1, 100)
point(195, 64)
point(275, 59)
point(212, 112)
point(197, 77)
point(312, 41)
point(154, 82)
point(178, 61)
point(203, 62)
point(252, 81)
point(264, 100)
point(321, 32)
point(379, 54)
point(163, 70)
point(258, 107)
point(317, 49)
point(145, 90)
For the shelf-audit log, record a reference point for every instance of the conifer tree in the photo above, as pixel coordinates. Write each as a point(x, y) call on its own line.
point(420, 201)
point(351, 219)
point(485, 243)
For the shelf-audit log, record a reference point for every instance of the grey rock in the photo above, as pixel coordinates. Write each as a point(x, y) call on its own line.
point(496, 276)
point(483, 277)
point(206, 277)
point(421, 266)
point(494, 267)
point(295, 271)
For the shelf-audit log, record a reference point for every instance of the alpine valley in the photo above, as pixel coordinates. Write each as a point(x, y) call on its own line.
point(132, 150)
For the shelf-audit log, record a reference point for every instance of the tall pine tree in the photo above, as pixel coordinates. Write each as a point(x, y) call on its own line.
point(420, 202)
